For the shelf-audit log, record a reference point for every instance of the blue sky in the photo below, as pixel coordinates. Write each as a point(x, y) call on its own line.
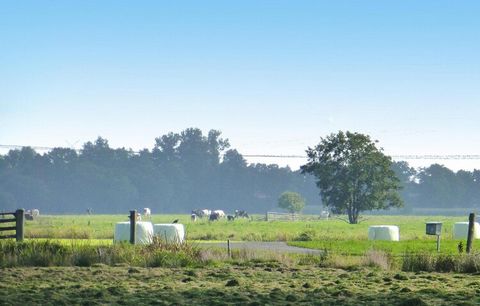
point(273, 76)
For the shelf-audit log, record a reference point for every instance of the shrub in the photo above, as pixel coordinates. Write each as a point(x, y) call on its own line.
point(306, 236)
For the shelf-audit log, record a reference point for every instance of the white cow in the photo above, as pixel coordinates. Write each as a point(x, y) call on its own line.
point(147, 212)
point(206, 212)
point(35, 213)
point(220, 213)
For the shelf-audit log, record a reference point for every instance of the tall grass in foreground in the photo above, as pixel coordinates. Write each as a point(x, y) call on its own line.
point(461, 263)
point(52, 253)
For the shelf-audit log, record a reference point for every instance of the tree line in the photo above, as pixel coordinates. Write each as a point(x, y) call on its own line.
point(189, 170)
point(184, 171)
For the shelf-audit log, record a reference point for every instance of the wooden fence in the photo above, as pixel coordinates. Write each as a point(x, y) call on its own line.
point(18, 219)
point(276, 216)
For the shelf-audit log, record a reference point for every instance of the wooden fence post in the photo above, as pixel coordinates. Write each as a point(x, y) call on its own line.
point(228, 249)
point(20, 223)
point(471, 224)
point(133, 221)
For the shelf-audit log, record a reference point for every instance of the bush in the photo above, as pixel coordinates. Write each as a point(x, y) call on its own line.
point(306, 236)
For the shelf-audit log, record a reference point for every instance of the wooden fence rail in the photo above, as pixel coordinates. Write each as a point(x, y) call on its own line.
point(18, 219)
point(276, 216)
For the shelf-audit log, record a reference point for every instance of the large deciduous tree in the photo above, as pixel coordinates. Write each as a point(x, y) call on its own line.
point(353, 174)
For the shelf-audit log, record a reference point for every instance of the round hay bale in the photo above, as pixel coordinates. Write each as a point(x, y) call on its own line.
point(460, 230)
point(143, 232)
point(384, 232)
point(170, 233)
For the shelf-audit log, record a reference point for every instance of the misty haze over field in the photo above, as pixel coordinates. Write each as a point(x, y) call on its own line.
point(191, 170)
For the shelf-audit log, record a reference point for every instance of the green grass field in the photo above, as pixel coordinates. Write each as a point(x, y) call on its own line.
point(334, 235)
point(71, 260)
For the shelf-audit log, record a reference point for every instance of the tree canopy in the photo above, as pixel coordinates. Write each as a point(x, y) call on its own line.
point(184, 171)
point(291, 201)
point(353, 174)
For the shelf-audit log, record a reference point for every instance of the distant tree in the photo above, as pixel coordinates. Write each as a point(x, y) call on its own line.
point(440, 187)
point(291, 201)
point(353, 175)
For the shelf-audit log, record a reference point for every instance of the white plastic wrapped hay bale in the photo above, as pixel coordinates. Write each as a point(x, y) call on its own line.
point(460, 230)
point(170, 233)
point(143, 232)
point(384, 232)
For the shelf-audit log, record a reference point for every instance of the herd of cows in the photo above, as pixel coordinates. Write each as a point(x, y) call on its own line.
point(216, 215)
point(211, 215)
point(31, 214)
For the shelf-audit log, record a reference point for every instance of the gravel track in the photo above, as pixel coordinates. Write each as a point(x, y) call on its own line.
point(277, 246)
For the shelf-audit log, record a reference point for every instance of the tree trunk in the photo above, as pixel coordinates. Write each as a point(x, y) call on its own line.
point(352, 215)
point(352, 212)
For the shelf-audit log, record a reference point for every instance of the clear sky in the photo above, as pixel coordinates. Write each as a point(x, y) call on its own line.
point(273, 76)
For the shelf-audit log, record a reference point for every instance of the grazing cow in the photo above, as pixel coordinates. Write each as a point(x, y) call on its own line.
point(30, 214)
point(35, 212)
point(241, 214)
point(147, 212)
point(221, 213)
point(214, 217)
point(194, 217)
point(201, 213)
point(230, 218)
point(89, 211)
point(198, 213)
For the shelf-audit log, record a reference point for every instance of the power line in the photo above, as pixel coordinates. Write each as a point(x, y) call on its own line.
point(401, 157)
point(415, 156)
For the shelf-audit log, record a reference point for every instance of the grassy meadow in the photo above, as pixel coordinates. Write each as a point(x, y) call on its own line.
point(72, 260)
point(334, 235)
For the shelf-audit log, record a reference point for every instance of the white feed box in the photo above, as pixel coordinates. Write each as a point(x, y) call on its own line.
point(460, 230)
point(384, 232)
point(143, 232)
point(170, 233)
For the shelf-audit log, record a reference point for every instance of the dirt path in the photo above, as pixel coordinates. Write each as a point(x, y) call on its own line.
point(263, 246)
